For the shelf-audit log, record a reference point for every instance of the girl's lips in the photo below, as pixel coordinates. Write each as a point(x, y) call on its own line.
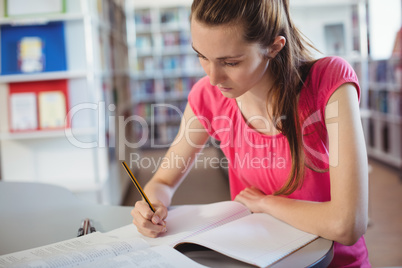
point(225, 89)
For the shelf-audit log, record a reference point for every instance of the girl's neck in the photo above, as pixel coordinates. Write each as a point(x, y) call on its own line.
point(256, 99)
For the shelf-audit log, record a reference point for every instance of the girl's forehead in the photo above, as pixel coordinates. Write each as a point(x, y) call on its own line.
point(221, 34)
point(219, 39)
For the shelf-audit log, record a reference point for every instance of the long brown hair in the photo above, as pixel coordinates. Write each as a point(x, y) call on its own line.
point(263, 21)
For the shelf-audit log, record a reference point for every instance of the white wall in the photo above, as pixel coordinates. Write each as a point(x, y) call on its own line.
point(385, 21)
point(311, 21)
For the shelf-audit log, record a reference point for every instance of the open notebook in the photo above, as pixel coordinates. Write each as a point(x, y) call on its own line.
point(230, 229)
point(226, 227)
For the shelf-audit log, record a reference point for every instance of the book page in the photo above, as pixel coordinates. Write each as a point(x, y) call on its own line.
point(259, 239)
point(160, 256)
point(77, 251)
point(189, 220)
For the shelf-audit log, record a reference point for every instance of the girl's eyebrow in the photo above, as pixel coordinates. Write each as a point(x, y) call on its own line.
point(220, 58)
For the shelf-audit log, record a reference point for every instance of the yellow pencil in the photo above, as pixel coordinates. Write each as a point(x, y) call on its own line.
point(134, 180)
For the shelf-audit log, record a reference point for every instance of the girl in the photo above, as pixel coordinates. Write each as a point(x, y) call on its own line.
point(288, 125)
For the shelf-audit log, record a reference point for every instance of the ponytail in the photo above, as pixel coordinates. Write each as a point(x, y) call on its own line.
point(263, 21)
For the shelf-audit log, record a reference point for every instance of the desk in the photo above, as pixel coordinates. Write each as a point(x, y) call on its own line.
point(33, 215)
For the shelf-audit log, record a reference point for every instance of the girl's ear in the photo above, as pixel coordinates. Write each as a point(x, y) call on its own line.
point(277, 46)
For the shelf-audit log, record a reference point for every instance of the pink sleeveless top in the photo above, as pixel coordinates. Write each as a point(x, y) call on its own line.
point(264, 161)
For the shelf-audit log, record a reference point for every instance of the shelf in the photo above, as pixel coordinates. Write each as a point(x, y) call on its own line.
point(142, 52)
point(147, 4)
point(46, 134)
point(165, 51)
point(42, 76)
point(173, 27)
point(149, 98)
point(169, 97)
point(143, 29)
point(324, 3)
point(387, 117)
point(388, 86)
point(166, 74)
point(390, 118)
point(394, 161)
point(163, 120)
point(41, 20)
point(164, 67)
point(95, 71)
point(393, 59)
point(176, 96)
point(355, 57)
point(174, 50)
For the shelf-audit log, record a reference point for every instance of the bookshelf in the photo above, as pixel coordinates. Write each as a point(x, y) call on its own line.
point(351, 22)
point(159, 42)
point(385, 110)
point(88, 65)
point(163, 68)
point(385, 83)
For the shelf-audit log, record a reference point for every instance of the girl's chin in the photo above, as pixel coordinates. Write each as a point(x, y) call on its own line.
point(229, 94)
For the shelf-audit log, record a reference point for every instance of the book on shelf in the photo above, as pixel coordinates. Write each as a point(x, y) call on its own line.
point(394, 103)
point(52, 109)
point(260, 239)
point(372, 132)
point(384, 101)
point(39, 105)
point(169, 16)
point(23, 111)
point(32, 48)
point(144, 43)
point(142, 17)
point(171, 39)
point(30, 54)
point(185, 38)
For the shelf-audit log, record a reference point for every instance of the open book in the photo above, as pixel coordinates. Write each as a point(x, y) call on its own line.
point(98, 250)
point(226, 227)
point(230, 229)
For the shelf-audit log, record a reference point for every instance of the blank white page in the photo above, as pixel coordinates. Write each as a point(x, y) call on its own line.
point(187, 221)
point(258, 239)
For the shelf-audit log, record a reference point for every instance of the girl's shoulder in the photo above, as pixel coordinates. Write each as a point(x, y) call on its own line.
point(335, 66)
point(325, 77)
point(329, 73)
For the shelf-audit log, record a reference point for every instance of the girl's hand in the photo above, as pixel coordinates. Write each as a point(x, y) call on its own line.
point(148, 223)
point(252, 198)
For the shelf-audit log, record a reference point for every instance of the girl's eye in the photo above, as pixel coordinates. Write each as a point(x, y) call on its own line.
point(231, 64)
point(201, 57)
